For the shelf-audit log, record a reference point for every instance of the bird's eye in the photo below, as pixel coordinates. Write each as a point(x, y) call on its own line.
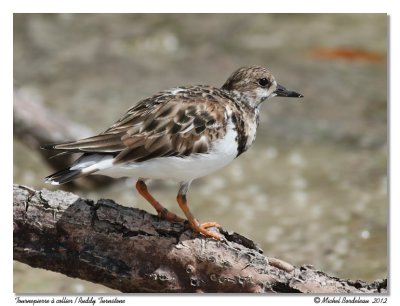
point(263, 82)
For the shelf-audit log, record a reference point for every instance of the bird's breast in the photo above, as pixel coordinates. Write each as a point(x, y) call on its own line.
point(246, 124)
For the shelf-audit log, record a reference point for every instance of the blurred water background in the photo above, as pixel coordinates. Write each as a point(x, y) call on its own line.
point(312, 189)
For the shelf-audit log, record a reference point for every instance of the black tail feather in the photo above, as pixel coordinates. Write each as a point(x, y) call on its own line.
point(63, 176)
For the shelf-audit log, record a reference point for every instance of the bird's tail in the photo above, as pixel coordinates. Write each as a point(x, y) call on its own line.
point(83, 166)
point(63, 176)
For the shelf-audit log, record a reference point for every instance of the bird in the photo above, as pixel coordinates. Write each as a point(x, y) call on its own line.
point(179, 134)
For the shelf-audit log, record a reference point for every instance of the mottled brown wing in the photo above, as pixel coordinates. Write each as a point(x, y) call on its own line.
point(164, 125)
point(177, 128)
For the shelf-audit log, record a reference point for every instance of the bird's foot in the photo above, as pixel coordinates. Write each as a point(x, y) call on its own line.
point(202, 228)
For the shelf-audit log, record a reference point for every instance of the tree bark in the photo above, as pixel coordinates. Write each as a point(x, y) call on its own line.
point(133, 251)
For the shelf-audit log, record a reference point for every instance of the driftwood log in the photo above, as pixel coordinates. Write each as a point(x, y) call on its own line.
point(133, 251)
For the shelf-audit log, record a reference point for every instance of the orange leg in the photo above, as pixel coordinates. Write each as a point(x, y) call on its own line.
point(194, 224)
point(162, 212)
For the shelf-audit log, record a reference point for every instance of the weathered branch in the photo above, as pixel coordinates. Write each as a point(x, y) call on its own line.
point(132, 251)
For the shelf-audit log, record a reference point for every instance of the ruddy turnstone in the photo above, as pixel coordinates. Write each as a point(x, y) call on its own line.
point(181, 134)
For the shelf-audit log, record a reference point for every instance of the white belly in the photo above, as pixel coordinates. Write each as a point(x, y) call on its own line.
point(181, 168)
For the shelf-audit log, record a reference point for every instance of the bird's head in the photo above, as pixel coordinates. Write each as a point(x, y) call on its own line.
point(254, 84)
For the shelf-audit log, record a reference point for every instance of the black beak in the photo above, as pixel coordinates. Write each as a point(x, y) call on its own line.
point(283, 92)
